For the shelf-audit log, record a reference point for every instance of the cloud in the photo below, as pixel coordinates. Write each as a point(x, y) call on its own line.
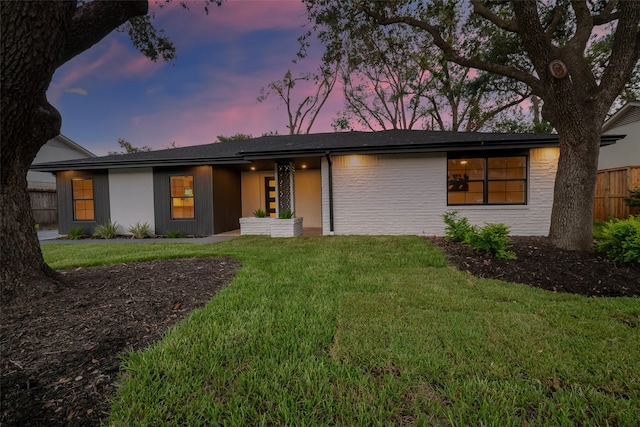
point(110, 61)
point(224, 58)
point(77, 90)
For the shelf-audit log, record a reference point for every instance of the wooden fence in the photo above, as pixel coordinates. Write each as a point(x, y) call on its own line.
point(612, 186)
point(44, 205)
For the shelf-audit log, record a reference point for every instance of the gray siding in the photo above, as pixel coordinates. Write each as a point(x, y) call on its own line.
point(202, 224)
point(65, 200)
point(227, 201)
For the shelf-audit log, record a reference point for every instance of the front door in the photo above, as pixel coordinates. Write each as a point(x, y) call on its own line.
point(270, 196)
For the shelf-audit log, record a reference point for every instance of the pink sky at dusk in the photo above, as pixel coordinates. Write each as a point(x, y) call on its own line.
point(223, 59)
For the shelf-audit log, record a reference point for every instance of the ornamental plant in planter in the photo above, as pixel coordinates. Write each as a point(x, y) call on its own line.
point(258, 224)
point(287, 225)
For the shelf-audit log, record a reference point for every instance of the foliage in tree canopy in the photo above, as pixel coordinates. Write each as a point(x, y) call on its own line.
point(237, 137)
point(128, 148)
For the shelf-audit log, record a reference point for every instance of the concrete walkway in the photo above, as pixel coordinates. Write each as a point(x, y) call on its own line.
point(48, 237)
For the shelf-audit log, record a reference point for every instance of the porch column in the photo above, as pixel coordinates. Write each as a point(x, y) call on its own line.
point(285, 181)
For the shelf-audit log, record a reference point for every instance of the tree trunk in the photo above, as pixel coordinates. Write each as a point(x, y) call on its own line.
point(572, 212)
point(31, 46)
point(22, 268)
point(37, 37)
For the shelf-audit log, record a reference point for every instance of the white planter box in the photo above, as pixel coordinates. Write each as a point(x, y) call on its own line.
point(286, 227)
point(256, 226)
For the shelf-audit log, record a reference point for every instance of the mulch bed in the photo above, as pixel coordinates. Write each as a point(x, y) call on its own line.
point(541, 265)
point(61, 351)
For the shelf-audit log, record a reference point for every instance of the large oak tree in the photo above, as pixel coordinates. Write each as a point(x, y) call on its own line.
point(37, 38)
point(577, 92)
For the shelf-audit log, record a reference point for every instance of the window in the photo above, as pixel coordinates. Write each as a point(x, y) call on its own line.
point(182, 203)
point(83, 209)
point(487, 180)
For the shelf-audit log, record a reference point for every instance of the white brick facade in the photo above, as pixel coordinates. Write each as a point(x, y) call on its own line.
point(406, 194)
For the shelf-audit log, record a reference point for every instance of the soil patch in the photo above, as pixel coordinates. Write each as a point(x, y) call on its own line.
point(61, 351)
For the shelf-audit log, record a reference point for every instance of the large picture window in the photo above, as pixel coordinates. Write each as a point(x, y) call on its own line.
point(182, 201)
point(500, 180)
point(83, 203)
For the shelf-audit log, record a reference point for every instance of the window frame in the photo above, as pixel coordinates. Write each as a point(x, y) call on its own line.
point(192, 196)
point(486, 180)
point(84, 199)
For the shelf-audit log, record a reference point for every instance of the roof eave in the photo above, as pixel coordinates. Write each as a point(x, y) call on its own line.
point(44, 167)
point(396, 149)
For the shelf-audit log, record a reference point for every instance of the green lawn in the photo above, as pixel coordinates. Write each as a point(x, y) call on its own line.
point(361, 331)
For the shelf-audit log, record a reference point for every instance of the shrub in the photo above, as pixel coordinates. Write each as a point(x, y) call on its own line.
point(260, 213)
point(493, 238)
point(174, 234)
point(107, 230)
point(286, 214)
point(140, 231)
point(458, 229)
point(633, 201)
point(74, 233)
point(622, 240)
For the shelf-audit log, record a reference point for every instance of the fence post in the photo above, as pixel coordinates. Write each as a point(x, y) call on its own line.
point(607, 188)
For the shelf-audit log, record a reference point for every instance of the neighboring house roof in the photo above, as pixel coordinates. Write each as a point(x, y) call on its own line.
point(77, 147)
point(59, 148)
point(628, 113)
point(289, 146)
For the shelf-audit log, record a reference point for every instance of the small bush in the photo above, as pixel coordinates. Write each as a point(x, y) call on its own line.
point(260, 213)
point(622, 240)
point(633, 201)
point(493, 238)
point(140, 230)
point(286, 214)
point(458, 229)
point(74, 233)
point(175, 234)
point(107, 230)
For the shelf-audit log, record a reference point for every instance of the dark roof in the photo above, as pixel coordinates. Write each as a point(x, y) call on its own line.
point(292, 146)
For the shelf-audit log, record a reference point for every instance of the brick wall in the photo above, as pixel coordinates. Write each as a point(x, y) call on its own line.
point(406, 194)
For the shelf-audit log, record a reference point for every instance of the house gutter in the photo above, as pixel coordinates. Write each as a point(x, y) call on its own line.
point(330, 170)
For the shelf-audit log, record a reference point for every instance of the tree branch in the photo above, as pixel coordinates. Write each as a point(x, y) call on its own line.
point(607, 15)
point(625, 53)
point(95, 20)
point(555, 21)
point(486, 13)
point(584, 26)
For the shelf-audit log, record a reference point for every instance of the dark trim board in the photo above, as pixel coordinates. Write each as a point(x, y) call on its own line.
point(202, 224)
